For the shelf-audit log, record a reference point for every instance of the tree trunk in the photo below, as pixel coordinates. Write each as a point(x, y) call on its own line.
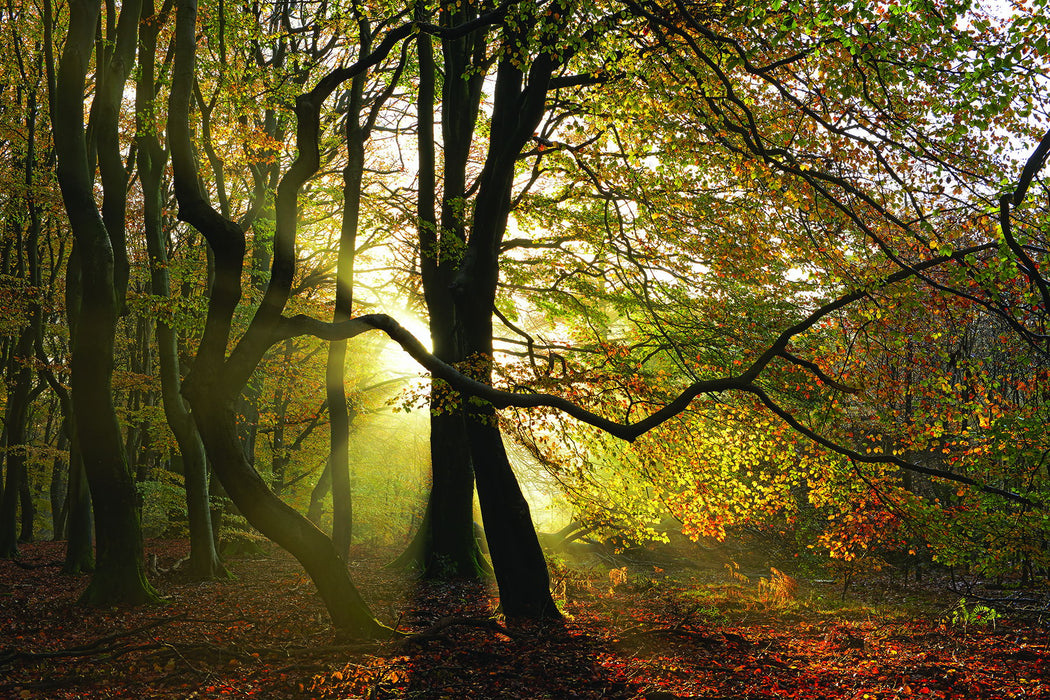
point(445, 545)
point(16, 416)
point(136, 431)
point(27, 509)
point(339, 413)
point(517, 558)
point(338, 466)
point(521, 569)
point(119, 576)
point(280, 522)
point(80, 554)
point(215, 382)
point(204, 562)
point(320, 490)
point(58, 490)
point(119, 573)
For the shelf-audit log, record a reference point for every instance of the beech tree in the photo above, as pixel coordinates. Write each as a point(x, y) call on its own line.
point(699, 306)
point(152, 158)
point(459, 268)
point(99, 269)
point(218, 377)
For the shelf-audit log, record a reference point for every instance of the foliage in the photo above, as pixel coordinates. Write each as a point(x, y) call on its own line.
point(978, 614)
point(736, 178)
point(163, 506)
point(237, 537)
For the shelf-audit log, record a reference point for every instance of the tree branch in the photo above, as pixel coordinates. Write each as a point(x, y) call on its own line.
point(882, 458)
point(304, 325)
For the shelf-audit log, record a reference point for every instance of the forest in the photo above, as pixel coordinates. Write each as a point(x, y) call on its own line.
point(524, 348)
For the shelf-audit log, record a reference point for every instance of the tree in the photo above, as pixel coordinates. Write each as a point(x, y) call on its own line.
point(459, 266)
point(25, 227)
point(787, 156)
point(101, 270)
point(891, 198)
point(204, 560)
point(216, 379)
point(358, 127)
point(720, 200)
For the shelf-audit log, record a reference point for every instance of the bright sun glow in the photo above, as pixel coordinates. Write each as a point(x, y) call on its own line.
point(397, 360)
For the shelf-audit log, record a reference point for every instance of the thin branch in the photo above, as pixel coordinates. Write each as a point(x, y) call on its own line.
point(882, 458)
point(819, 373)
point(304, 325)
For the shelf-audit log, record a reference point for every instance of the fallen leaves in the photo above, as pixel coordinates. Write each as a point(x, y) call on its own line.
point(265, 635)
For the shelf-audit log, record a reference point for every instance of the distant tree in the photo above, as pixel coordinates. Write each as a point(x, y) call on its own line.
point(23, 223)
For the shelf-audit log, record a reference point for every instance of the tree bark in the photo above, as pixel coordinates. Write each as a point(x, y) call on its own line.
point(324, 484)
point(80, 554)
point(27, 509)
point(517, 558)
point(58, 490)
point(518, 106)
point(282, 523)
point(204, 561)
point(335, 384)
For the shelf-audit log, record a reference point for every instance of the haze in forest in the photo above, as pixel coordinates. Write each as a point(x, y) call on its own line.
point(502, 291)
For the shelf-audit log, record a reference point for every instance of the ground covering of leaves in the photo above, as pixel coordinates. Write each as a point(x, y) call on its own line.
point(630, 633)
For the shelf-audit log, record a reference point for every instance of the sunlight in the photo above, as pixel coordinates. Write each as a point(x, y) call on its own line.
point(397, 360)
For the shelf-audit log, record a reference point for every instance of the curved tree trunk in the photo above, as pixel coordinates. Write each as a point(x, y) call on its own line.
point(321, 489)
point(280, 522)
point(517, 558)
point(204, 562)
point(216, 381)
point(119, 575)
point(335, 384)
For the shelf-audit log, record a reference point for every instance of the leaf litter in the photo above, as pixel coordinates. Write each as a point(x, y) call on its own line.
point(628, 635)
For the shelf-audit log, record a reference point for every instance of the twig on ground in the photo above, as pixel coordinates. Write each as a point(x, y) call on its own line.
point(31, 565)
point(434, 632)
point(102, 645)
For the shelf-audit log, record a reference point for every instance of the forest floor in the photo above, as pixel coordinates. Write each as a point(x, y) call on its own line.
point(634, 633)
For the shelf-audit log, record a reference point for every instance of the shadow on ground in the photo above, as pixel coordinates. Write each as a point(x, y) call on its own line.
point(476, 657)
